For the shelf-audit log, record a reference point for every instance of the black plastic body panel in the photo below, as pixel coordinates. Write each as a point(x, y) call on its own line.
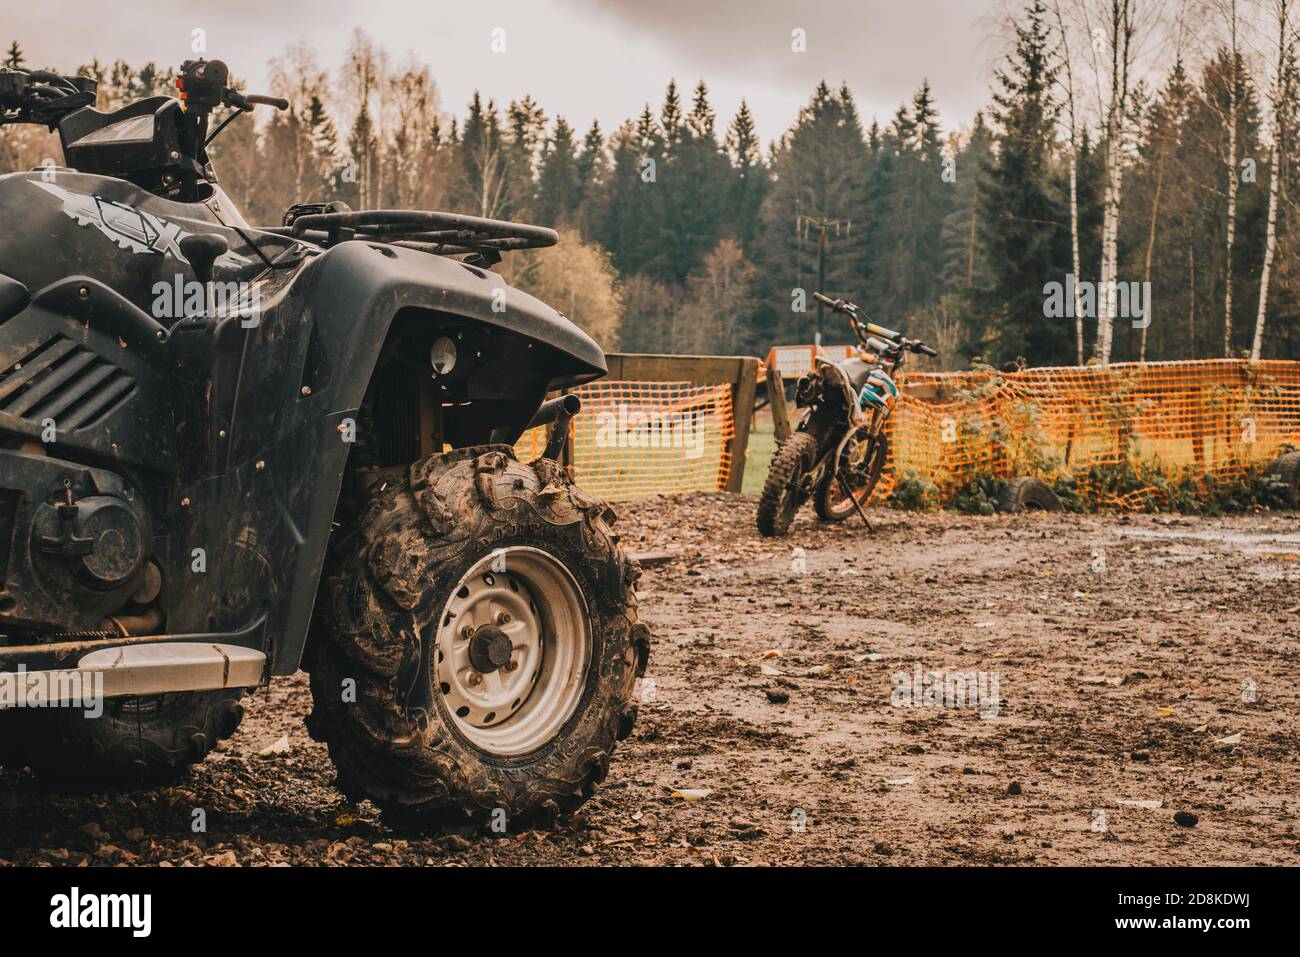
point(229, 430)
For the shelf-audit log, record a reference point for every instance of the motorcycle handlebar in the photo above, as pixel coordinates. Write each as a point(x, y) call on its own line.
point(895, 338)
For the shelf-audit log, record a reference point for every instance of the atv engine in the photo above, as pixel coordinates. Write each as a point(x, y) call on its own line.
point(73, 554)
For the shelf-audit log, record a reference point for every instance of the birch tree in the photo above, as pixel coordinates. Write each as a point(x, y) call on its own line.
point(1072, 129)
point(1165, 140)
point(1235, 50)
point(1111, 26)
point(1281, 12)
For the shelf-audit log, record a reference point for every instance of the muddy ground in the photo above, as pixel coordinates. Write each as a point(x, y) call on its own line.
point(1138, 659)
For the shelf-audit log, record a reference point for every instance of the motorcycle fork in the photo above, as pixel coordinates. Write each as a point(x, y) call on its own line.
point(873, 430)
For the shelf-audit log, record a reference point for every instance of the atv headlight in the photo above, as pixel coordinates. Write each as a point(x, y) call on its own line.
point(442, 355)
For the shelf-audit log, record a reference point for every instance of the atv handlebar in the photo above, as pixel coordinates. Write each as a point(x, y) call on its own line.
point(427, 227)
point(38, 96)
point(246, 101)
point(203, 87)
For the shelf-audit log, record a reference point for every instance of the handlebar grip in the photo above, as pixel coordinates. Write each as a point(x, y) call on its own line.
point(824, 300)
point(876, 330)
point(926, 350)
point(255, 99)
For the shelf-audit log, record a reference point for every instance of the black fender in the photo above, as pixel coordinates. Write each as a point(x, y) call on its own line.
point(264, 449)
point(358, 288)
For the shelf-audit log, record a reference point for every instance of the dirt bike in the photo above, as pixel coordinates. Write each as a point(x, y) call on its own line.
point(213, 435)
point(839, 449)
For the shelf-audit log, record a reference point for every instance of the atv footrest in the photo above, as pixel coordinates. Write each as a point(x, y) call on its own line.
point(140, 669)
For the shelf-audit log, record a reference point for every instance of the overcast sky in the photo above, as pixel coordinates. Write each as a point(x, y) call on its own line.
point(583, 59)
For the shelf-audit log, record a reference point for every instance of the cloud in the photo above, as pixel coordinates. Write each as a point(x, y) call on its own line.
point(882, 49)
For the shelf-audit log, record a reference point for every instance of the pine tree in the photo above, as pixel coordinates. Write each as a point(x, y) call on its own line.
point(818, 171)
point(593, 176)
point(362, 146)
point(918, 202)
point(14, 58)
point(629, 218)
point(965, 269)
point(559, 186)
point(1209, 144)
point(484, 185)
point(526, 143)
point(324, 149)
point(1022, 222)
point(670, 118)
point(749, 180)
point(692, 189)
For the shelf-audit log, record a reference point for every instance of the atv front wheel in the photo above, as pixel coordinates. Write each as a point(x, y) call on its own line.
point(783, 491)
point(478, 644)
point(135, 742)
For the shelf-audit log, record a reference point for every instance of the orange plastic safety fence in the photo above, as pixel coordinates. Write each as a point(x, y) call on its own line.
point(635, 439)
point(1163, 421)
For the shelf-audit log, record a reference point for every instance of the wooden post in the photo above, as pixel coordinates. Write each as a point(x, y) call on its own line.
point(738, 372)
point(744, 392)
point(776, 399)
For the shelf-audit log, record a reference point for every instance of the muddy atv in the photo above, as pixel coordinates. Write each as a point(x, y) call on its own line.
point(228, 451)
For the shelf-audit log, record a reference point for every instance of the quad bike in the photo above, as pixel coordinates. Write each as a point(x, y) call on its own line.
point(839, 449)
point(199, 493)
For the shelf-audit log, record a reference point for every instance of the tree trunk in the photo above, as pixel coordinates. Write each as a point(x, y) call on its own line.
point(1120, 31)
point(1074, 245)
point(1270, 246)
point(1110, 247)
point(1151, 246)
point(1274, 175)
point(1232, 189)
point(1074, 180)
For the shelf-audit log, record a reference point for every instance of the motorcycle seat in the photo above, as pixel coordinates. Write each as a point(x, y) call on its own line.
point(857, 371)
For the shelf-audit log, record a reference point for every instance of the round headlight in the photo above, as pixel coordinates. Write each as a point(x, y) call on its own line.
point(442, 356)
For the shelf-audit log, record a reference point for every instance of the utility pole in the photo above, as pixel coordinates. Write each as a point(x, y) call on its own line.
point(823, 228)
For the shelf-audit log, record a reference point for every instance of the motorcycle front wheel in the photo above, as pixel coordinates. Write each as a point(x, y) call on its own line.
point(833, 501)
point(783, 492)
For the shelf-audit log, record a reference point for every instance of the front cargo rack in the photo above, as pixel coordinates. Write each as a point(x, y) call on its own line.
point(430, 231)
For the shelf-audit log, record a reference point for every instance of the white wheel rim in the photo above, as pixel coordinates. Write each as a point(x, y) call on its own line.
point(518, 707)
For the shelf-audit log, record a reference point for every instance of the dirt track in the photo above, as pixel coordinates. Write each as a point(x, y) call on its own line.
point(1123, 650)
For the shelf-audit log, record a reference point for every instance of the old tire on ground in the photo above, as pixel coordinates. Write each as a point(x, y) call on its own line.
point(135, 742)
point(1025, 493)
point(830, 501)
point(483, 612)
point(782, 494)
point(1287, 468)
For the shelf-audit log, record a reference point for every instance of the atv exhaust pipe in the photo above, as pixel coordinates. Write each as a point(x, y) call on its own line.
point(563, 407)
point(557, 413)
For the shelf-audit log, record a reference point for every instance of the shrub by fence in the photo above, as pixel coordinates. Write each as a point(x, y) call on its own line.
point(1127, 436)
